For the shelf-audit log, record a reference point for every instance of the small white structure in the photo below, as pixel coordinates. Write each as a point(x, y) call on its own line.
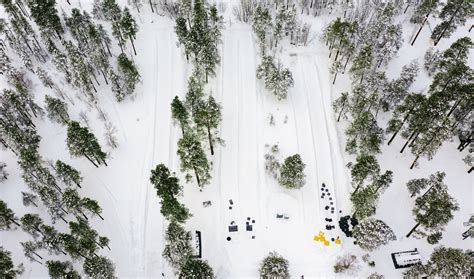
point(406, 259)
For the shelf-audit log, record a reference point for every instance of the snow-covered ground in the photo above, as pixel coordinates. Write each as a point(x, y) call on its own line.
point(304, 123)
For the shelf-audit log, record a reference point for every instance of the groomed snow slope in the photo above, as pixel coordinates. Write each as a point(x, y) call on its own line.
point(148, 137)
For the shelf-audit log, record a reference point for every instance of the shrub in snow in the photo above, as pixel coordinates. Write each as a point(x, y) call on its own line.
point(372, 233)
point(277, 79)
point(196, 268)
point(274, 266)
point(272, 165)
point(375, 275)
point(434, 238)
point(292, 172)
point(367, 259)
point(347, 263)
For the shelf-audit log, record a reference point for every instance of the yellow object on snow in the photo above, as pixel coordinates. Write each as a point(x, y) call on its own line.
point(337, 241)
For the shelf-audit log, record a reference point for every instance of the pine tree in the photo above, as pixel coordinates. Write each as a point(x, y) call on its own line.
point(168, 189)
point(129, 26)
point(58, 270)
point(372, 233)
point(180, 114)
point(68, 174)
point(46, 16)
point(72, 202)
point(3, 172)
point(182, 33)
point(364, 203)
point(397, 89)
point(81, 142)
point(57, 110)
point(341, 105)
point(362, 62)
point(129, 74)
point(415, 186)
point(434, 209)
point(366, 168)
point(444, 263)
point(29, 198)
point(261, 24)
point(274, 266)
point(196, 268)
point(44, 77)
point(364, 135)
point(207, 119)
point(7, 217)
point(292, 172)
point(194, 94)
point(178, 248)
point(194, 159)
point(454, 13)
point(7, 268)
point(31, 223)
point(92, 206)
point(99, 267)
point(29, 250)
point(431, 60)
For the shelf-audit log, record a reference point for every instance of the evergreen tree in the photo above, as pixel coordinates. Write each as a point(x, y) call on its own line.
point(178, 247)
point(274, 266)
point(196, 268)
point(415, 186)
point(129, 26)
point(99, 267)
point(129, 74)
point(364, 203)
point(3, 172)
point(68, 174)
point(59, 270)
point(431, 60)
point(180, 114)
point(31, 223)
point(341, 105)
point(261, 24)
point(372, 233)
point(29, 198)
point(434, 209)
point(44, 77)
point(92, 206)
point(7, 268)
point(194, 94)
point(292, 172)
point(7, 217)
point(444, 263)
point(362, 63)
point(81, 142)
point(397, 89)
point(454, 13)
point(366, 168)
point(72, 201)
point(29, 250)
point(46, 16)
point(194, 159)
point(168, 189)
point(364, 135)
point(182, 33)
point(207, 119)
point(57, 110)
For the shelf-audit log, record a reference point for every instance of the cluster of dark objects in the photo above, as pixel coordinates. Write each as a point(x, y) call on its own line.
point(324, 193)
point(347, 223)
